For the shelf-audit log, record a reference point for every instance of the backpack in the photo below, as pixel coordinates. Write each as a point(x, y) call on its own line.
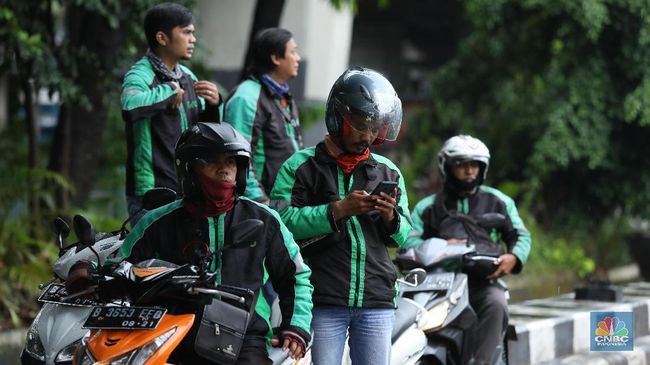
point(454, 224)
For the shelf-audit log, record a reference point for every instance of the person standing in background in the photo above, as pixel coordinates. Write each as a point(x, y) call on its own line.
point(262, 109)
point(160, 99)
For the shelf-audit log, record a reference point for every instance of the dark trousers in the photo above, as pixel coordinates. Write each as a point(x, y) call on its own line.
point(489, 303)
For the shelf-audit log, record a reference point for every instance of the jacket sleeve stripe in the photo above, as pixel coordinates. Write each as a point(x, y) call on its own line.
point(302, 288)
point(304, 222)
point(138, 100)
point(404, 223)
point(415, 237)
point(240, 111)
point(524, 239)
point(147, 220)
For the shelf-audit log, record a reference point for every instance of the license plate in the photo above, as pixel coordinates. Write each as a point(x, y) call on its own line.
point(54, 292)
point(116, 317)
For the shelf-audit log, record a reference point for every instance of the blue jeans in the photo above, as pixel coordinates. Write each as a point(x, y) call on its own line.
point(369, 328)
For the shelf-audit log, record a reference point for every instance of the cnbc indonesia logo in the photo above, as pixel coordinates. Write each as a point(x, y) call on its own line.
point(611, 333)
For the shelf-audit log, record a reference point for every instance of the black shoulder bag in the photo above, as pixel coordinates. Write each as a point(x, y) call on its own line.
point(220, 335)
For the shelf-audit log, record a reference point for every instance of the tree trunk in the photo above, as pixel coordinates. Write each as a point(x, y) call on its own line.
point(77, 144)
point(267, 15)
point(31, 121)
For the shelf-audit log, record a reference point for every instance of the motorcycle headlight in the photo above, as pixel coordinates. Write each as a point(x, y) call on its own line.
point(141, 355)
point(33, 345)
point(67, 353)
point(435, 317)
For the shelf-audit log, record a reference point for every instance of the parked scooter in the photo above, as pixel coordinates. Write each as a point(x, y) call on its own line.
point(57, 329)
point(159, 313)
point(434, 321)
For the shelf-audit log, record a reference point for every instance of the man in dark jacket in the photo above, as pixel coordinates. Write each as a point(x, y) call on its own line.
point(262, 109)
point(160, 99)
point(322, 196)
point(463, 162)
point(212, 160)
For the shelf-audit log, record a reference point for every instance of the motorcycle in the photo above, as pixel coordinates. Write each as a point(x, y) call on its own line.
point(434, 321)
point(156, 319)
point(56, 331)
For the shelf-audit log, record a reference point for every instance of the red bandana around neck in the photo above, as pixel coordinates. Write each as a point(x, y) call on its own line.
point(219, 197)
point(346, 161)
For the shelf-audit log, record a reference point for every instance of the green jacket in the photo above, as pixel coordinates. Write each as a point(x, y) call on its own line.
point(153, 126)
point(349, 258)
point(272, 130)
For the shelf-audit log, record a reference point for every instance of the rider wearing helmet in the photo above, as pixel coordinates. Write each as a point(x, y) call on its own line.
point(463, 162)
point(322, 194)
point(211, 162)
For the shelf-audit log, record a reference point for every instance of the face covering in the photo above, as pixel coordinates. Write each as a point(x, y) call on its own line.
point(219, 197)
point(346, 161)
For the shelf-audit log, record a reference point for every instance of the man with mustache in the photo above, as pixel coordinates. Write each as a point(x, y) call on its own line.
point(264, 111)
point(344, 232)
point(160, 99)
point(463, 161)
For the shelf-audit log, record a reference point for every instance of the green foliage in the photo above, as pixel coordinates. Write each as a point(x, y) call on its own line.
point(26, 251)
point(560, 92)
point(311, 114)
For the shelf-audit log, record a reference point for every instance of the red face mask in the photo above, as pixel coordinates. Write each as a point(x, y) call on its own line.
point(219, 196)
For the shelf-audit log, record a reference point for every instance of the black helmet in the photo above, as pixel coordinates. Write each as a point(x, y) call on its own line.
point(367, 93)
point(204, 141)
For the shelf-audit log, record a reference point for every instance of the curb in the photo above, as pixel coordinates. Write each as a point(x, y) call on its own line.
point(559, 327)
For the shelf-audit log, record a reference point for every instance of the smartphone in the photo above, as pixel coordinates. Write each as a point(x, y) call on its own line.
point(385, 187)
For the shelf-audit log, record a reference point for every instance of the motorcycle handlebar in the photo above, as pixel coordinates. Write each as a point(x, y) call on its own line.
point(239, 299)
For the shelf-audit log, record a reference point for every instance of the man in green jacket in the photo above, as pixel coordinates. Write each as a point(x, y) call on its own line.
point(160, 99)
point(322, 194)
point(463, 161)
point(263, 110)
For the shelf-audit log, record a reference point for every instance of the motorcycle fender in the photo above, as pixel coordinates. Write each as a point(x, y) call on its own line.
point(408, 347)
point(108, 344)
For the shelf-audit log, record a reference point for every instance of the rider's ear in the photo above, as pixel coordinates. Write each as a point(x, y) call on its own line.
point(161, 38)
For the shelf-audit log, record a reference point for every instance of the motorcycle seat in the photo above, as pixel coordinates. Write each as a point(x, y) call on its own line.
point(406, 314)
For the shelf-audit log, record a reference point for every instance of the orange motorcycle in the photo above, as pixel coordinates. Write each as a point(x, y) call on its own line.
point(159, 313)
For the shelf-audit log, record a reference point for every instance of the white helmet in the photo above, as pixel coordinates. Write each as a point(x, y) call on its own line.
point(463, 148)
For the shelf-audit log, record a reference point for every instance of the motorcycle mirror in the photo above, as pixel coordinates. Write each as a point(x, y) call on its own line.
point(84, 230)
point(414, 277)
point(85, 233)
point(157, 197)
point(491, 220)
point(243, 233)
point(61, 229)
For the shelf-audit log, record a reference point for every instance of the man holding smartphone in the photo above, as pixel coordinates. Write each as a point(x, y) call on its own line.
point(322, 196)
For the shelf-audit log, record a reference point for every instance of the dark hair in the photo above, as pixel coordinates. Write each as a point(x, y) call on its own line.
point(163, 18)
point(267, 42)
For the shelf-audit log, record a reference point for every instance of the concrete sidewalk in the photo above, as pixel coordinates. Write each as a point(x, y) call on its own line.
point(557, 330)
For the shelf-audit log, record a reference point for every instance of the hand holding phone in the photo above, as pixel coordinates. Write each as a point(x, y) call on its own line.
point(385, 186)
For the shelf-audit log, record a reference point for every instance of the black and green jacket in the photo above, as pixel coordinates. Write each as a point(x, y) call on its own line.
point(172, 234)
point(427, 219)
point(352, 266)
point(272, 130)
point(153, 126)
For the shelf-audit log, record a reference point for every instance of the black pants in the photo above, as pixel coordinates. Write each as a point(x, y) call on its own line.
point(489, 303)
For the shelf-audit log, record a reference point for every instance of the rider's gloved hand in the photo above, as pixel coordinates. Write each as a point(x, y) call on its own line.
point(80, 277)
point(291, 340)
